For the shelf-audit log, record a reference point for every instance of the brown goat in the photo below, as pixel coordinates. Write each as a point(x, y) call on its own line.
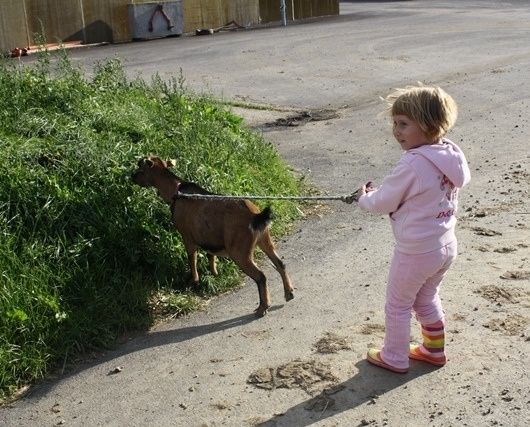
point(229, 228)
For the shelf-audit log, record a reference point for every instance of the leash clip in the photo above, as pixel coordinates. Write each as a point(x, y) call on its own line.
point(353, 197)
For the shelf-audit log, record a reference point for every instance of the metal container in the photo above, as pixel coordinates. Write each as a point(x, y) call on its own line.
point(155, 20)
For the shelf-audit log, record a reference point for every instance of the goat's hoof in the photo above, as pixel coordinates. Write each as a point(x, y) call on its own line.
point(261, 311)
point(289, 296)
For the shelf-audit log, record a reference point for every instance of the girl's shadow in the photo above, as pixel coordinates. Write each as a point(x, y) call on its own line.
point(364, 387)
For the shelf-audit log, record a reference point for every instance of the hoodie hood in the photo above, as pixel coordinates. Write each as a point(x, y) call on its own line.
point(449, 158)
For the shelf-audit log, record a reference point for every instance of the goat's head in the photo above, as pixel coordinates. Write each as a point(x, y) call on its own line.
point(149, 169)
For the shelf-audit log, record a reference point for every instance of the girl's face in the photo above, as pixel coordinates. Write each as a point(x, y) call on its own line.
point(408, 132)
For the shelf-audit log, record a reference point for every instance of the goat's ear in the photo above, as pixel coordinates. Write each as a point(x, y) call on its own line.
point(143, 162)
point(171, 163)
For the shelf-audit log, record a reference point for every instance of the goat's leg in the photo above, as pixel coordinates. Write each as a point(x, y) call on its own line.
point(191, 250)
point(266, 245)
point(250, 269)
point(213, 264)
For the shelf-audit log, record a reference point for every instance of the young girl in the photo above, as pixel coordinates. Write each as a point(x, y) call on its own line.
point(420, 197)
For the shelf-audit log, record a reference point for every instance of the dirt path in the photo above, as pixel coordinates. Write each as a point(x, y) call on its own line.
point(303, 364)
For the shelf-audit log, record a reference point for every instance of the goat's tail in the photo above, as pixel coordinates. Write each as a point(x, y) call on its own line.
point(262, 220)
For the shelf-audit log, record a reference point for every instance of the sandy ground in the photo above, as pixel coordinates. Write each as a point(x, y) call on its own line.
point(303, 364)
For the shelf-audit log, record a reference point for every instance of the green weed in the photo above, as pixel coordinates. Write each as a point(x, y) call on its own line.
point(83, 251)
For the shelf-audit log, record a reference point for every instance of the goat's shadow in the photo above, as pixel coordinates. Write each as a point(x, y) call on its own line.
point(139, 342)
point(366, 386)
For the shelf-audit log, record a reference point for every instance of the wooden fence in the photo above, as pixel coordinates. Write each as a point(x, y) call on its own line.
point(93, 21)
point(297, 9)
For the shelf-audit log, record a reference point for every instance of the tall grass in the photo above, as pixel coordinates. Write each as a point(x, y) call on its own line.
point(83, 252)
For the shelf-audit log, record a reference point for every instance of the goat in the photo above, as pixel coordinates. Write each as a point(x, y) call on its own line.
point(229, 228)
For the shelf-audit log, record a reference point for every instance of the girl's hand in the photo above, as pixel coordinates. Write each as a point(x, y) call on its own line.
point(368, 187)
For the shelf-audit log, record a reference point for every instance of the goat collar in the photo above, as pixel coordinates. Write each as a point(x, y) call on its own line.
point(174, 199)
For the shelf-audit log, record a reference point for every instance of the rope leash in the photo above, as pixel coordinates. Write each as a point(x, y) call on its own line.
point(346, 199)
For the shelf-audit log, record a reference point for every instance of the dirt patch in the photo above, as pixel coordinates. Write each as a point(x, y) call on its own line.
point(481, 231)
point(303, 118)
point(500, 295)
point(372, 328)
point(516, 275)
point(314, 209)
point(309, 376)
point(512, 325)
point(257, 334)
point(331, 343)
point(505, 250)
point(324, 400)
point(517, 174)
point(221, 406)
point(473, 212)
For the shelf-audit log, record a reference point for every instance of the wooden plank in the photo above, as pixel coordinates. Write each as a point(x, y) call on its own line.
point(105, 21)
point(57, 20)
point(202, 14)
point(243, 12)
point(13, 27)
point(304, 9)
point(325, 7)
point(269, 10)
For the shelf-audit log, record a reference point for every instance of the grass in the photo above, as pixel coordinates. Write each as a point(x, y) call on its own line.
point(85, 255)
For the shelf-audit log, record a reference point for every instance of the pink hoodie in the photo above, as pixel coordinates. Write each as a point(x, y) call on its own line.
point(421, 196)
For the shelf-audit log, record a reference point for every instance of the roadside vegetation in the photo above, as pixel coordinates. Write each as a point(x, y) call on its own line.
point(85, 255)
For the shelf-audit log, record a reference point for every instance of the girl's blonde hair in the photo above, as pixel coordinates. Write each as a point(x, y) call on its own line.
point(430, 106)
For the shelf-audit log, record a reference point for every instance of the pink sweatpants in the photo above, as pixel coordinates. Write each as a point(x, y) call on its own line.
point(413, 284)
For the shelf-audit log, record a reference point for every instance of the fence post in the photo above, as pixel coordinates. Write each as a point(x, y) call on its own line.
point(26, 22)
point(82, 7)
point(283, 12)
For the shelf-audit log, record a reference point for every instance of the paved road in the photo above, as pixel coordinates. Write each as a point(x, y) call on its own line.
point(193, 371)
point(342, 60)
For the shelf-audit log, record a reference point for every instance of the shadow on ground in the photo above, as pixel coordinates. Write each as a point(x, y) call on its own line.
point(365, 387)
